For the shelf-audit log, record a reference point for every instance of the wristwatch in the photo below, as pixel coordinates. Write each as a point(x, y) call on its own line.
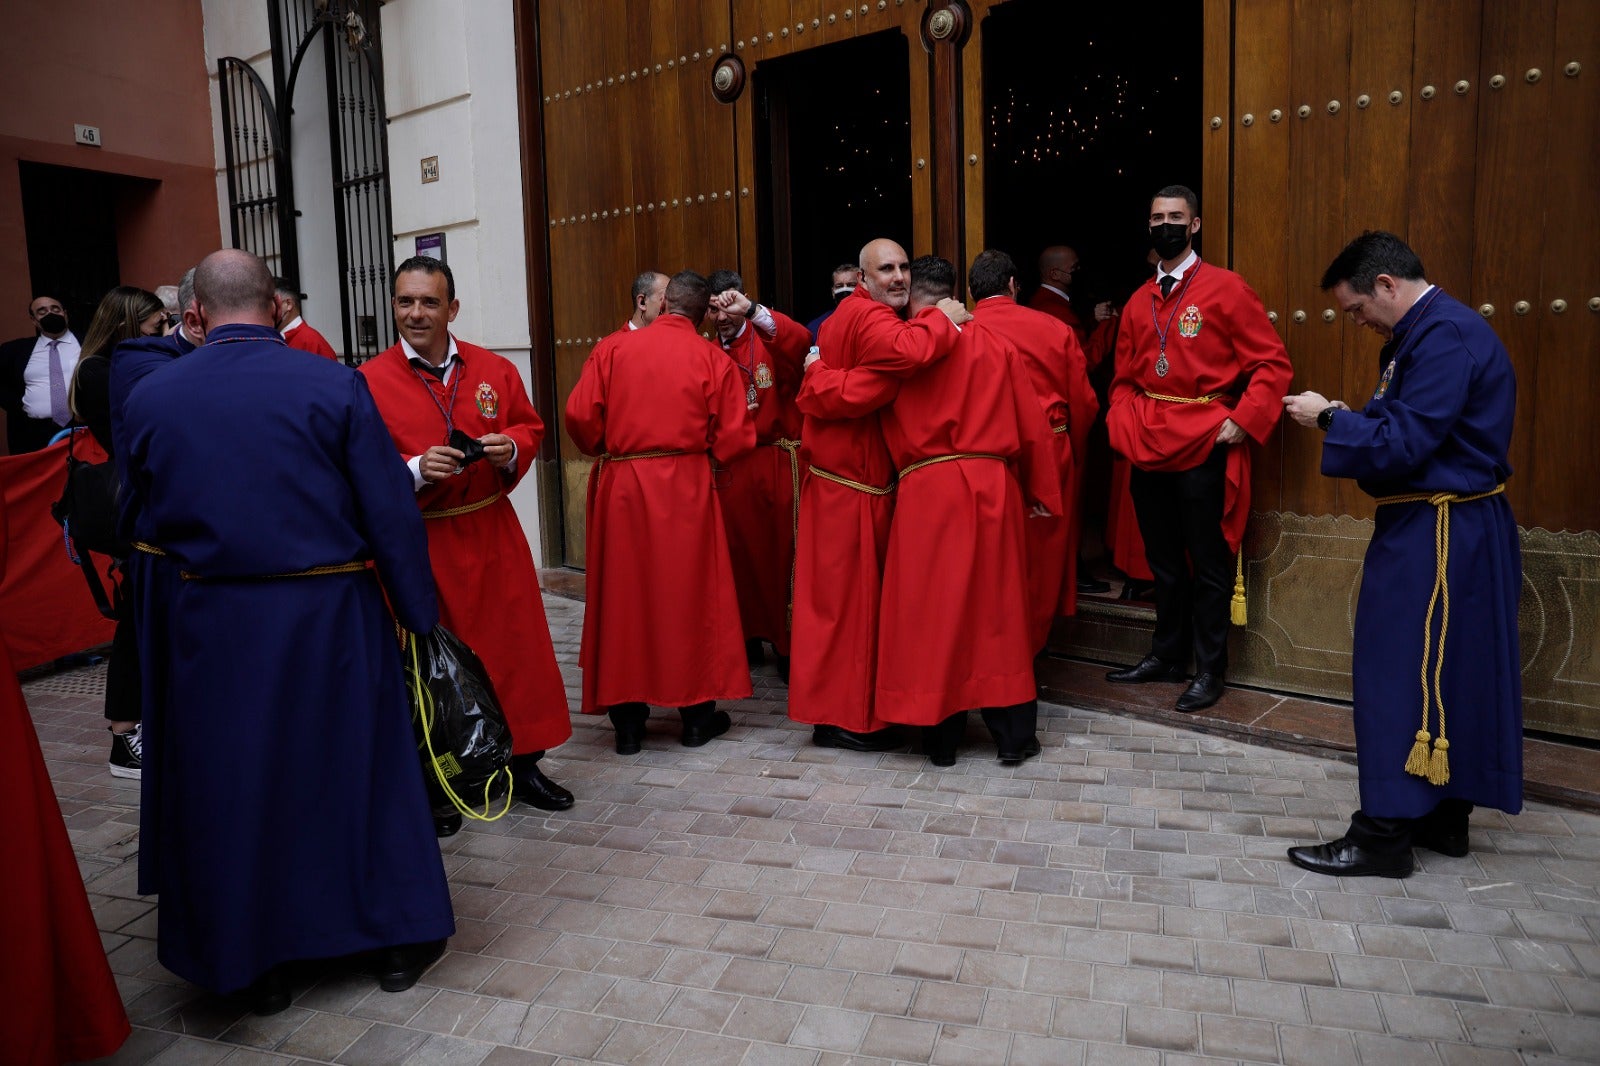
point(750, 312)
point(1325, 419)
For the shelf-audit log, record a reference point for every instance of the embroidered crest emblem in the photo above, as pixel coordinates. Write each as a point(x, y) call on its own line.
point(1189, 324)
point(488, 400)
point(1383, 382)
point(763, 376)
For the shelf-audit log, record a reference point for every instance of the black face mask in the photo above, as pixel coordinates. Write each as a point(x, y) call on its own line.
point(1169, 239)
point(53, 323)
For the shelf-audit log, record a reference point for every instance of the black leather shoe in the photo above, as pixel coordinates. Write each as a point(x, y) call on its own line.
point(754, 653)
point(783, 668)
point(400, 967)
point(1027, 751)
point(269, 994)
point(1203, 691)
point(629, 741)
point(1143, 591)
point(1093, 585)
point(1342, 858)
point(715, 724)
point(1451, 844)
point(447, 825)
point(1149, 668)
point(832, 736)
point(537, 790)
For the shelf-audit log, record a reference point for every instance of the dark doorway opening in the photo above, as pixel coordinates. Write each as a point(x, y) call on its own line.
point(1085, 115)
point(835, 130)
point(70, 219)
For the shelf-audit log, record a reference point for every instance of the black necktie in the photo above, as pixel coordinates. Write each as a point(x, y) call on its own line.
point(429, 368)
point(1167, 282)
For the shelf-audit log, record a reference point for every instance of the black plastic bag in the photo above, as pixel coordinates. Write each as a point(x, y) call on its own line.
point(462, 735)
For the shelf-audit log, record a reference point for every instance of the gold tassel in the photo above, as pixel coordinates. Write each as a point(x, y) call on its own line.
point(1237, 607)
point(1417, 761)
point(1439, 769)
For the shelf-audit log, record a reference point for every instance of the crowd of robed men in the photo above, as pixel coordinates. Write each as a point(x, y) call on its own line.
point(289, 511)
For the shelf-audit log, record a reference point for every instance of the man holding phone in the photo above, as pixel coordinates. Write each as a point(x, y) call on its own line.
point(462, 420)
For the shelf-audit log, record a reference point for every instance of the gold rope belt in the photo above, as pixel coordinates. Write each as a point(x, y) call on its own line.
point(352, 567)
point(949, 459)
point(466, 508)
point(1207, 398)
point(870, 490)
point(792, 447)
point(1435, 766)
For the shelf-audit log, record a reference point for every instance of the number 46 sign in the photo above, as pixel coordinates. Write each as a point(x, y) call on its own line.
point(89, 135)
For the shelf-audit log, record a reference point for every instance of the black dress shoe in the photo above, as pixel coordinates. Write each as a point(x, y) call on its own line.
point(1093, 585)
point(537, 790)
point(400, 967)
point(447, 825)
point(1144, 591)
point(1445, 843)
point(783, 668)
point(754, 653)
point(1150, 668)
point(1343, 858)
point(1024, 753)
point(1027, 751)
point(832, 736)
point(702, 732)
point(1203, 691)
point(269, 994)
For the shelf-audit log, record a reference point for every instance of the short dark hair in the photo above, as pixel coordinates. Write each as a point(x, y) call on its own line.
point(1178, 192)
point(1374, 252)
point(688, 295)
point(932, 278)
point(645, 282)
point(989, 274)
point(284, 287)
point(723, 280)
point(428, 265)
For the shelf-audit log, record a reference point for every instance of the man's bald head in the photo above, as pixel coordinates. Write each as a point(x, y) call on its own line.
point(1057, 264)
point(886, 272)
point(233, 286)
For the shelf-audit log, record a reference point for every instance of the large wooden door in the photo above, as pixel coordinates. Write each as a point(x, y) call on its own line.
point(1468, 127)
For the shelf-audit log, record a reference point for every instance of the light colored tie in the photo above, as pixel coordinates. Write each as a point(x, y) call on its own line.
point(59, 412)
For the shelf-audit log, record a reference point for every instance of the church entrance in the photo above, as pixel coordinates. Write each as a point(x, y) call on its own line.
point(1088, 109)
point(834, 127)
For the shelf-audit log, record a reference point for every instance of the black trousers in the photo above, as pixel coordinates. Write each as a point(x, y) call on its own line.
point(1389, 836)
point(1012, 727)
point(1180, 518)
point(627, 714)
point(123, 678)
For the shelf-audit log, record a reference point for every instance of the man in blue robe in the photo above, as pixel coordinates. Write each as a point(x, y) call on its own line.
point(284, 815)
point(1437, 670)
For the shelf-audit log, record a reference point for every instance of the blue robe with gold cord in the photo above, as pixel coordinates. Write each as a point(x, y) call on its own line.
point(283, 813)
point(1438, 422)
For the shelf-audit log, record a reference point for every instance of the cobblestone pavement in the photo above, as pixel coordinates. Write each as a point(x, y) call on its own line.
point(1123, 898)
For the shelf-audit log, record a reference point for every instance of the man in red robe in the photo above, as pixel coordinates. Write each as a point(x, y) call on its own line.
point(292, 324)
point(428, 387)
point(1058, 266)
point(662, 622)
point(1061, 383)
point(969, 441)
point(760, 491)
point(1200, 372)
point(845, 503)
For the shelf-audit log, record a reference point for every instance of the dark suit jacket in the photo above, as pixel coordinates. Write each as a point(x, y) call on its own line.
point(23, 434)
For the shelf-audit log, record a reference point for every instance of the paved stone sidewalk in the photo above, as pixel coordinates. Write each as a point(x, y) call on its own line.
point(1123, 898)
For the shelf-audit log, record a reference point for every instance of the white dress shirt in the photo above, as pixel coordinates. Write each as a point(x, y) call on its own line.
point(36, 375)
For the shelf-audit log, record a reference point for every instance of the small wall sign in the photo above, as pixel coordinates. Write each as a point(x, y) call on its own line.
point(431, 245)
point(89, 135)
point(430, 169)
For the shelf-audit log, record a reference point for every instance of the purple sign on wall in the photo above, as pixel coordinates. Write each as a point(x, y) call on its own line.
point(432, 246)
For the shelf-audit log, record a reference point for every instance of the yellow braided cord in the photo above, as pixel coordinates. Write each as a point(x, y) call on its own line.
point(793, 448)
point(315, 571)
point(466, 508)
point(1207, 398)
point(1435, 765)
point(1238, 614)
point(950, 459)
point(148, 549)
point(424, 704)
point(870, 490)
point(1062, 428)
